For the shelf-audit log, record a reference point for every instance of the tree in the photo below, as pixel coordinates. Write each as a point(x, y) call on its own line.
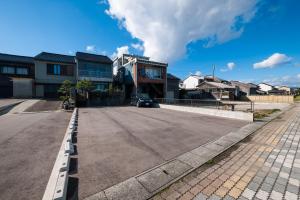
point(65, 89)
point(85, 86)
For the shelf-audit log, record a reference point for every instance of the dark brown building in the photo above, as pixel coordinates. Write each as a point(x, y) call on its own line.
point(16, 76)
point(142, 76)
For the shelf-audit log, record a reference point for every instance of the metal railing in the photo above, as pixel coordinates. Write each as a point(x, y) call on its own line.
point(96, 74)
point(245, 106)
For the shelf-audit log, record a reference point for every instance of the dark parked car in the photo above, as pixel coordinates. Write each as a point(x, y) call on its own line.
point(142, 100)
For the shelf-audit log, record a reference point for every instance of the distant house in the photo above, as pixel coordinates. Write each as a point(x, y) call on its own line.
point(265, 87)
point(16, 76)
point(96, 68)
point(286, 89)
point(219, 91)
point(192, 82)
point(50, 71)
point(172, 86)
point(244, 89)
point(140, 75)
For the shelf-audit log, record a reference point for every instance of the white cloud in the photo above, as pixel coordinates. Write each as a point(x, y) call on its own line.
point(91, 48)
point(297, 64)
point(230, 67)
point(273, 61)
point(138, 46)
point(166, 27)
point(198, 73)
point(70, 52)
point(293, 81)
point(120, 51)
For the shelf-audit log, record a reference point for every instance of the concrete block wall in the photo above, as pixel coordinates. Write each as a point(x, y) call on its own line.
point(213, 112)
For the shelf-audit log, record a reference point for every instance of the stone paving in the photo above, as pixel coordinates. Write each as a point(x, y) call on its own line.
point(265, 165)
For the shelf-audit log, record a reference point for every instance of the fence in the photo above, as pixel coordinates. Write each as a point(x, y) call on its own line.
point(272, 98)
point(245, 106)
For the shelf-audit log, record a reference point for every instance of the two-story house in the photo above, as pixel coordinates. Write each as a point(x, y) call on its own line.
point(140, 75)
point(50, 71)
point(16, 76)
point(96, 68)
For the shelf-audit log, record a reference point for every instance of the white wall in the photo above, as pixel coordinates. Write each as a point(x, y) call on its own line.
point(213, 112)
point(191, 82)
point(265, 87)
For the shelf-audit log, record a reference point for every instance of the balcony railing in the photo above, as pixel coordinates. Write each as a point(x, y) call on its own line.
point(94, 74)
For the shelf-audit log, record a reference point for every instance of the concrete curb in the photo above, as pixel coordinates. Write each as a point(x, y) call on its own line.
point(212, 112)
point(5, 109)
point(152, 181)
point(58, 182)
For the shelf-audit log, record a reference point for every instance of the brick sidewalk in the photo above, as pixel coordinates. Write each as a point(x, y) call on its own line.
point(265, 165)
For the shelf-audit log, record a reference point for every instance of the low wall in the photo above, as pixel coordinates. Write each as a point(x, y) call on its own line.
point(272, 98)
point(213, 112)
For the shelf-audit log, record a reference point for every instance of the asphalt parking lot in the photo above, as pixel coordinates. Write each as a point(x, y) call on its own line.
point(29, 145)
point(117, 143)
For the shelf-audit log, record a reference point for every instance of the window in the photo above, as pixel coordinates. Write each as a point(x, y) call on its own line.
point(7, 70)
point(151, 72)
point(102, 87)
point(95, 70)
point(56, 69)
point(22, 71)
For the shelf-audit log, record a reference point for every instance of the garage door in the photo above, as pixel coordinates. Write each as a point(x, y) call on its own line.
point(51, 91)
point(6, 87)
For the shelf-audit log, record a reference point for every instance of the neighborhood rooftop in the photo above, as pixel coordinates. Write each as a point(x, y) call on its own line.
point(45, 56)
point(93, 57)
point(15, 58)
point(216, 85)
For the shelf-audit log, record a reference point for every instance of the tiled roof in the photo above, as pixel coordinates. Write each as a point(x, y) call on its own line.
point(217, 85)
point(171, 76)
point(52, 57)
point(15, 58)
point(93, 58)
point(238, 83)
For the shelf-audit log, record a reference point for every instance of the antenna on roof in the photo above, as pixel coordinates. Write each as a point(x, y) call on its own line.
point(214, 68)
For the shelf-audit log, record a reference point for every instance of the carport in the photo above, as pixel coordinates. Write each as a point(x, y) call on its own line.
point(116, 143)
point(6, 87)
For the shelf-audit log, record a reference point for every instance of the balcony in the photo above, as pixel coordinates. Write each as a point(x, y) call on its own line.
point(94, 75)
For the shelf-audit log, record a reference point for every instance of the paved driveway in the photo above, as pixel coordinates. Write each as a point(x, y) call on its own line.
point(117, 143)
point(264, 166)
point(29, 144)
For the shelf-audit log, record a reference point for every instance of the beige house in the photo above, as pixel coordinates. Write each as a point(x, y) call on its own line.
point(284, 88)
point(50, 71)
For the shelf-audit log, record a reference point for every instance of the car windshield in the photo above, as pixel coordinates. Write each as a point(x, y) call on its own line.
point(144, 96)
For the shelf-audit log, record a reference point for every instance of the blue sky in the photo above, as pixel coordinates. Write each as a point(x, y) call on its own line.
point(66, 26)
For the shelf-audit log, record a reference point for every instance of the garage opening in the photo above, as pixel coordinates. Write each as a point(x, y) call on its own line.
point(6, 87)
point(154, 90)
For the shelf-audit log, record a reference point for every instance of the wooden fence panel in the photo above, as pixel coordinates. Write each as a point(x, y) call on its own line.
point(272, 98)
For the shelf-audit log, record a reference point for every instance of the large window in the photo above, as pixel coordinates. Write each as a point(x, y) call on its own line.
point(62, 70)
point(95, 70)
point(151, 72)
point(7, 70)
point(22, 71)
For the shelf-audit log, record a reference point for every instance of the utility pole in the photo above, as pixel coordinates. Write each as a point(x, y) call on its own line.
point(214, 67)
